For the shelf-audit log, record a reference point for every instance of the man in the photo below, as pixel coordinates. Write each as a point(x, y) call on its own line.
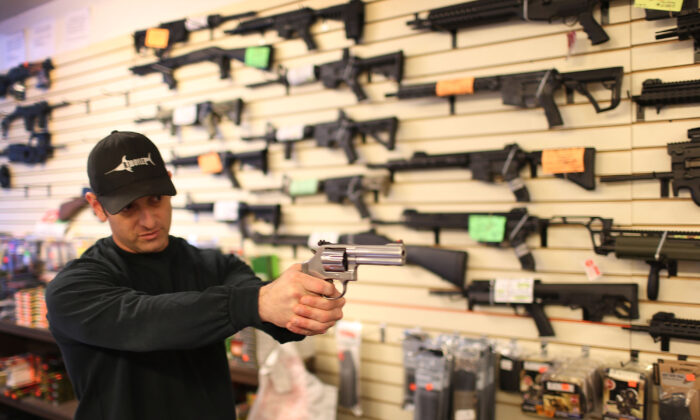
point(141, 317)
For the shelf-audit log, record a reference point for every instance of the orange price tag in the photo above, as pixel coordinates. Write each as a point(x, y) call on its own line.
point(632, 384)
point(157, 38)
point(689, 377)
point(563, 161)
point(463, 86)
point(210, 163)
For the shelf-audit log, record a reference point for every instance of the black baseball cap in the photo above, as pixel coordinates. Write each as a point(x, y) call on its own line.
point(125, 166)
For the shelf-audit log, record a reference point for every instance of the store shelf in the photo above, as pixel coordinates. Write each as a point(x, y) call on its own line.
point(43, 409)
point(39, 334)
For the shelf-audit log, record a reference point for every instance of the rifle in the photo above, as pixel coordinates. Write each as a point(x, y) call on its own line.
point(505, 163)
point(525, 90)
point(218, 163)
point(447, 264)
point(497, 229)
point(179, 30)
point(344, 70)
point(483, 12)
point(13, 82)
point(689, 6)
point(207, 114)
point(29, 153)
point(595, 299)
point(661, 249)
point(687, 27)
point(334, 134)
point(664, 326)
point(297, 23)
point(239, 213)
point(258, 57)
point(351, 188)
point(684, 174)
point(35, 116)
point(660, 94)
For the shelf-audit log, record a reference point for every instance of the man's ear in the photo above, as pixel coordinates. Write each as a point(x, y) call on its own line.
point(96, 206)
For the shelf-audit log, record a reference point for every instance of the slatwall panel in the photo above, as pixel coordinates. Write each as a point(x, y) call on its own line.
point(392, 299)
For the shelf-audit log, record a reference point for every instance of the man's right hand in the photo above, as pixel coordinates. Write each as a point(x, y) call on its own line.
point(295, 301)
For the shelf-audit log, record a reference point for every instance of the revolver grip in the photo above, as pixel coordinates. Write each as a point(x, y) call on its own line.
point(592, 28)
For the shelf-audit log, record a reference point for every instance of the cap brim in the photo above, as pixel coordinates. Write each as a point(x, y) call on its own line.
point(115, 201)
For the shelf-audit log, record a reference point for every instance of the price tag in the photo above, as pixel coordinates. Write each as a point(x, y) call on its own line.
point(690, 377)
point(463, 86)
point(157, 38)
point(226, 211)
point(316, 237)
point(258, 57)
point(513, 290)
point(210, 163)
point(669, 5)
point(592, 271)
point(303, 187)
point(563, 161)
point(506, 364)
point(487, 228)
point(196, 23)
point(290, 133)
point(301, 75)
point(185, 115)
point(465, 414)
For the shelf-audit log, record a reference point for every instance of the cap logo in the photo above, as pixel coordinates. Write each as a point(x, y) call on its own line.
point(128, 164)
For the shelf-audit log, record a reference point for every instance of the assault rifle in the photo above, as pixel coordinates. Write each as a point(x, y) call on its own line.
point(505, 163)
point(684, 173)
point(35, 116)
point(239, 213)
point(222, 162)
point(350, 188)
point(483, 12)
point(258, 57)
point(179, 30)
point(664, 326)
point(447, 264)
point(13, 81)
point(207, 114)
point(660, 94)
point(661, 249)
point(334, 134)
point(297, 23)
point(497, 229)
point(345, 70)
point(595, 299)
point(37, 150)
point(525, 90)
point(687, 27)
point(689, 6)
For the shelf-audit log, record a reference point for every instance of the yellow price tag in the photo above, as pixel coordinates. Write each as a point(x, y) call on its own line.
point(157, 38)
point(563, 161)
point(668, 5)
point(210, 163)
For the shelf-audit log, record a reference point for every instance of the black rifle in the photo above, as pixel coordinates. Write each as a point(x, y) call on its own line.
point(684, 173)
point(219, 56)
point(689, 6)
point(660, 94)
point(334, 134)
point(256, 159)
point(487, 165)
point(661, 249)
point(483, 12)
point(595, 299)
point(35, 116)
point(37, 150)
point(269, 213)
point(345, 70)
point(664, 326)
point(687, 27)
point(297, 23)
point(207, 114)
point(525, 90)
point(179, 30)
point(447, 264)
point(13, 82)
point(517, 227)
point(338, 190)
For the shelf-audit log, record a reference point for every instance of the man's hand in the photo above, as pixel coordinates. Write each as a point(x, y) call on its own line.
point(295, 301)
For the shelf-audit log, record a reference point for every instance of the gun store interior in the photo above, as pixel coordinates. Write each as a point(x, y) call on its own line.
point(519, 178)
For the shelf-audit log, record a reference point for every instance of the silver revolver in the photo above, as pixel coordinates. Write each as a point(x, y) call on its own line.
point(339, 262)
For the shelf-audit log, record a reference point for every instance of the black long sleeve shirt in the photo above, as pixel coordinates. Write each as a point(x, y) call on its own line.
point(142, 334)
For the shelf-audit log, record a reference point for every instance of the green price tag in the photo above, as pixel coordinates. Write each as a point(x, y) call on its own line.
point(669, 5)
point(487, 228)
point(303, 187)
point(258, 57)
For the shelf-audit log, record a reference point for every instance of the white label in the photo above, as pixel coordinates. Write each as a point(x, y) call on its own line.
point(506, 364)
point(536, 366)
point(301, 75)
point(625, 375)
point(185, 115)
point(226, 211)
point(560, 387)
point(315, 237)
point(469, 414)
point(196, 22)
point(592, 271)
point(513, 290)
point(290, 133)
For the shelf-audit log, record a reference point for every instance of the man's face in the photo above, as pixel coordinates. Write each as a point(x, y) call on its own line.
point(142, 226)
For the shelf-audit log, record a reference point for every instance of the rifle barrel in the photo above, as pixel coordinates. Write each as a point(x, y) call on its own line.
point(637, 177)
